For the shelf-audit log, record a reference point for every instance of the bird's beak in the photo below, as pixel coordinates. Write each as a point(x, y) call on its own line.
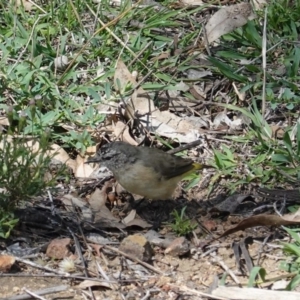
point(94, 159)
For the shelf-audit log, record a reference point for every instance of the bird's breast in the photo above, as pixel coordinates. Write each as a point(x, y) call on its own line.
point(145, 181)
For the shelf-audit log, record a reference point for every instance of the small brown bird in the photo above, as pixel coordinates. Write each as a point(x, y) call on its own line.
point(148, 172)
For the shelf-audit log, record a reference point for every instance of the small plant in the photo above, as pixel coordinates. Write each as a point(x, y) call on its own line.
point(7, 224)
point(23, 166)
point(182, 225)
point(292, 264)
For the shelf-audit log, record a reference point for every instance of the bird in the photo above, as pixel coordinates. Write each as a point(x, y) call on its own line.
point(148, 172)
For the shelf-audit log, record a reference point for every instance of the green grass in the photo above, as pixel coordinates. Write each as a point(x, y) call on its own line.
point(181, 224)
point(292, 263)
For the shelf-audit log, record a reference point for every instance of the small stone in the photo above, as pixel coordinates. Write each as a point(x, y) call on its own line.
point(178, 247)
point(6, 262)
point(59, 248)
point(137, 246)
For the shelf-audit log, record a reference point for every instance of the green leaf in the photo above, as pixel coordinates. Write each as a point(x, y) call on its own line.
point(227, 70)
point(292, 248)
point(254, 273)
point(280, 158)
point(293, 283)
point(292, 233)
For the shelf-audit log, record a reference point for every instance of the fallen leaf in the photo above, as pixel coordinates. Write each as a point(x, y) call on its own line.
point(98, 199)
point(261, 220)
point(4, 121)
point(83, 170)
point(227, 19)
point(161, 122)
point(121, 131)
point(61, 155)
point(138, 223)
point(28, 6)
point(130, 217)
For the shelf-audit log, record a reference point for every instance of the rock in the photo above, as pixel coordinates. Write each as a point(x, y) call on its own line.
point(137, 246)
point(59, 248)
point(178, 247)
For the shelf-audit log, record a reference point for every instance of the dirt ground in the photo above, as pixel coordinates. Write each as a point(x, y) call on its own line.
point(196, 272)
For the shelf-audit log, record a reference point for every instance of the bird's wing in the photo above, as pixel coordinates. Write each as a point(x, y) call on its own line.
point(168, 165)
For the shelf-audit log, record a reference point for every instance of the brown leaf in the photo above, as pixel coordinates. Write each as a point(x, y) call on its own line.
point(98, 198)
point(261, 220)
point(227, 19)
point(121, 130)
point(163, 123)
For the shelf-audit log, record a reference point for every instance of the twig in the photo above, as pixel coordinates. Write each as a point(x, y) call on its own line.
point(79, 252)
point(223, 265)
point(264, 52)
point(101, 271)
point(32, 264)
point(185, 289)
point(32, 294)
point(261, 248)
point(73, 277)
point(52, 204)
point(51, 290)
point(134, 259)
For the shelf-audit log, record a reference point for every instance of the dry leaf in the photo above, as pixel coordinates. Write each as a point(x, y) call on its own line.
point(161, 122)
point(138, 223)
point(121, 130)
point(98, 198)
point(262, 220)
point(130, 217)
point(227, 19)
point(61, 155)
point(4, 121)
point(192, 2)
point(28, 6)
point(83, 170)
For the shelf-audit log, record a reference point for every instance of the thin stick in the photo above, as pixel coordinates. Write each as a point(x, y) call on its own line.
point(79, 252)
point(185, 289)
point(264, 55)
point(32, 294)
point(223, 265)
point(134, 259)
point(30, 263)
point(55, 289)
